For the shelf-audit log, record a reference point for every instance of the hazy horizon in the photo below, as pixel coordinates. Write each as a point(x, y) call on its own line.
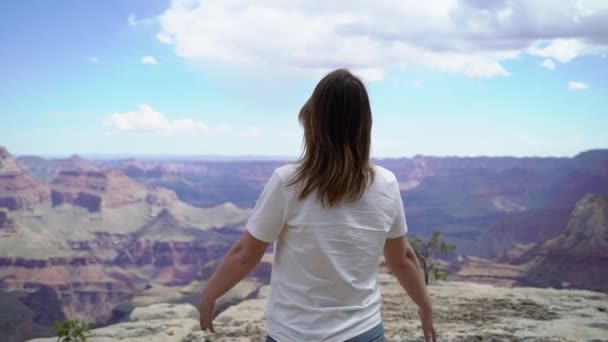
point(255, 157)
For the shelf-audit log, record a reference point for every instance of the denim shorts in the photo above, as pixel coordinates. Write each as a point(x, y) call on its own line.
point(375, 334)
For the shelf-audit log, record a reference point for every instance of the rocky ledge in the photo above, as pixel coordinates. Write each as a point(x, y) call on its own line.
point(463, 312)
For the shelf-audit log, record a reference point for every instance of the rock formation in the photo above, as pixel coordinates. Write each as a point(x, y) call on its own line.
point(577, 258)
point(103, 240)
point(175, 251)
point(159, 322)
point(463, 312)
point(100, 239)
point(485, 205)
point(93, 190)
point(48, 169)
point(18, 190)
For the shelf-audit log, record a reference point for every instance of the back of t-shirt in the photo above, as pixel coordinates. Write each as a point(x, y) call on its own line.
point(326, 259)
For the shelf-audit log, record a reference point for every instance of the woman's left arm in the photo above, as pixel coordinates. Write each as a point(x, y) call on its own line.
point(240, 260)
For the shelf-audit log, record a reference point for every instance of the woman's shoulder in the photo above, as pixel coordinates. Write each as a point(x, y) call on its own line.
point(383, 175)
point(285, 172)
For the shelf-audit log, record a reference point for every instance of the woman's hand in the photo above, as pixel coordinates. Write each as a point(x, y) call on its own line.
point(206, 309)
point(426, 319)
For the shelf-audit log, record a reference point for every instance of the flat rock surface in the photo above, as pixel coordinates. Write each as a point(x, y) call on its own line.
point(478, 312)
point(154, 323)
point(164, 311)
point(463, 312)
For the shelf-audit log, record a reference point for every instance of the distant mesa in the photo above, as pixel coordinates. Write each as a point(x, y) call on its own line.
point(593, 159)
point(136, 169)
point(77, 182)
point(96, 189)
point(18, 190)
point(48, 169)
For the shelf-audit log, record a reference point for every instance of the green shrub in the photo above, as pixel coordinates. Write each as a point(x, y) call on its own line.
point(427, 253)
point(71, 331)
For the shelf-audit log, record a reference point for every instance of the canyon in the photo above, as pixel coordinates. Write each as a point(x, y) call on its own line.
point(576, 258)
point(84, 244)
point(93, 239)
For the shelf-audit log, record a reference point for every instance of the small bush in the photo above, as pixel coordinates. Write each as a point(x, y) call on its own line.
point(71, 331)
point(428, 251)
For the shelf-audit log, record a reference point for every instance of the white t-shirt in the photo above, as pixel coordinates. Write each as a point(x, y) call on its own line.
point(323, 283)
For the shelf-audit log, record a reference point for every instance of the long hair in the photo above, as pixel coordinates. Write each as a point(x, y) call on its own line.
point(337, 121)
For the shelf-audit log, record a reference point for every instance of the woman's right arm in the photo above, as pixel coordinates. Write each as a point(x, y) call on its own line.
point(403, 263)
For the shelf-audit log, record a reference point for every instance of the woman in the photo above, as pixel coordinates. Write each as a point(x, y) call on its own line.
point(331, 216)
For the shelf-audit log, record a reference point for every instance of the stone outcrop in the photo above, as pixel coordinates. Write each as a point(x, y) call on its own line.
point(578, 257)
point(93, 190)
point(163, 311)
point(463, 312)
point(155, 323)
point(18, 190)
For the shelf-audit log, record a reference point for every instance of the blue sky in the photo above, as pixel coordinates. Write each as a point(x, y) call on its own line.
point(183, 77)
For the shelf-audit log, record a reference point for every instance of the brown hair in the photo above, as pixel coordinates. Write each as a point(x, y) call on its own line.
point(337, 121)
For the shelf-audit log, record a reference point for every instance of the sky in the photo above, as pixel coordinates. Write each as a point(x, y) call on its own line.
point(228, 77)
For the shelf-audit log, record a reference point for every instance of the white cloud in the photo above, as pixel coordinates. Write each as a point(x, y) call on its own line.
point(131, 20)
point(565, 50)
point(147, 120)
point(548, 64)
point(149, 60)
point(467, 37)
point(164, 38)
point(94, 59)
point(573, 85)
